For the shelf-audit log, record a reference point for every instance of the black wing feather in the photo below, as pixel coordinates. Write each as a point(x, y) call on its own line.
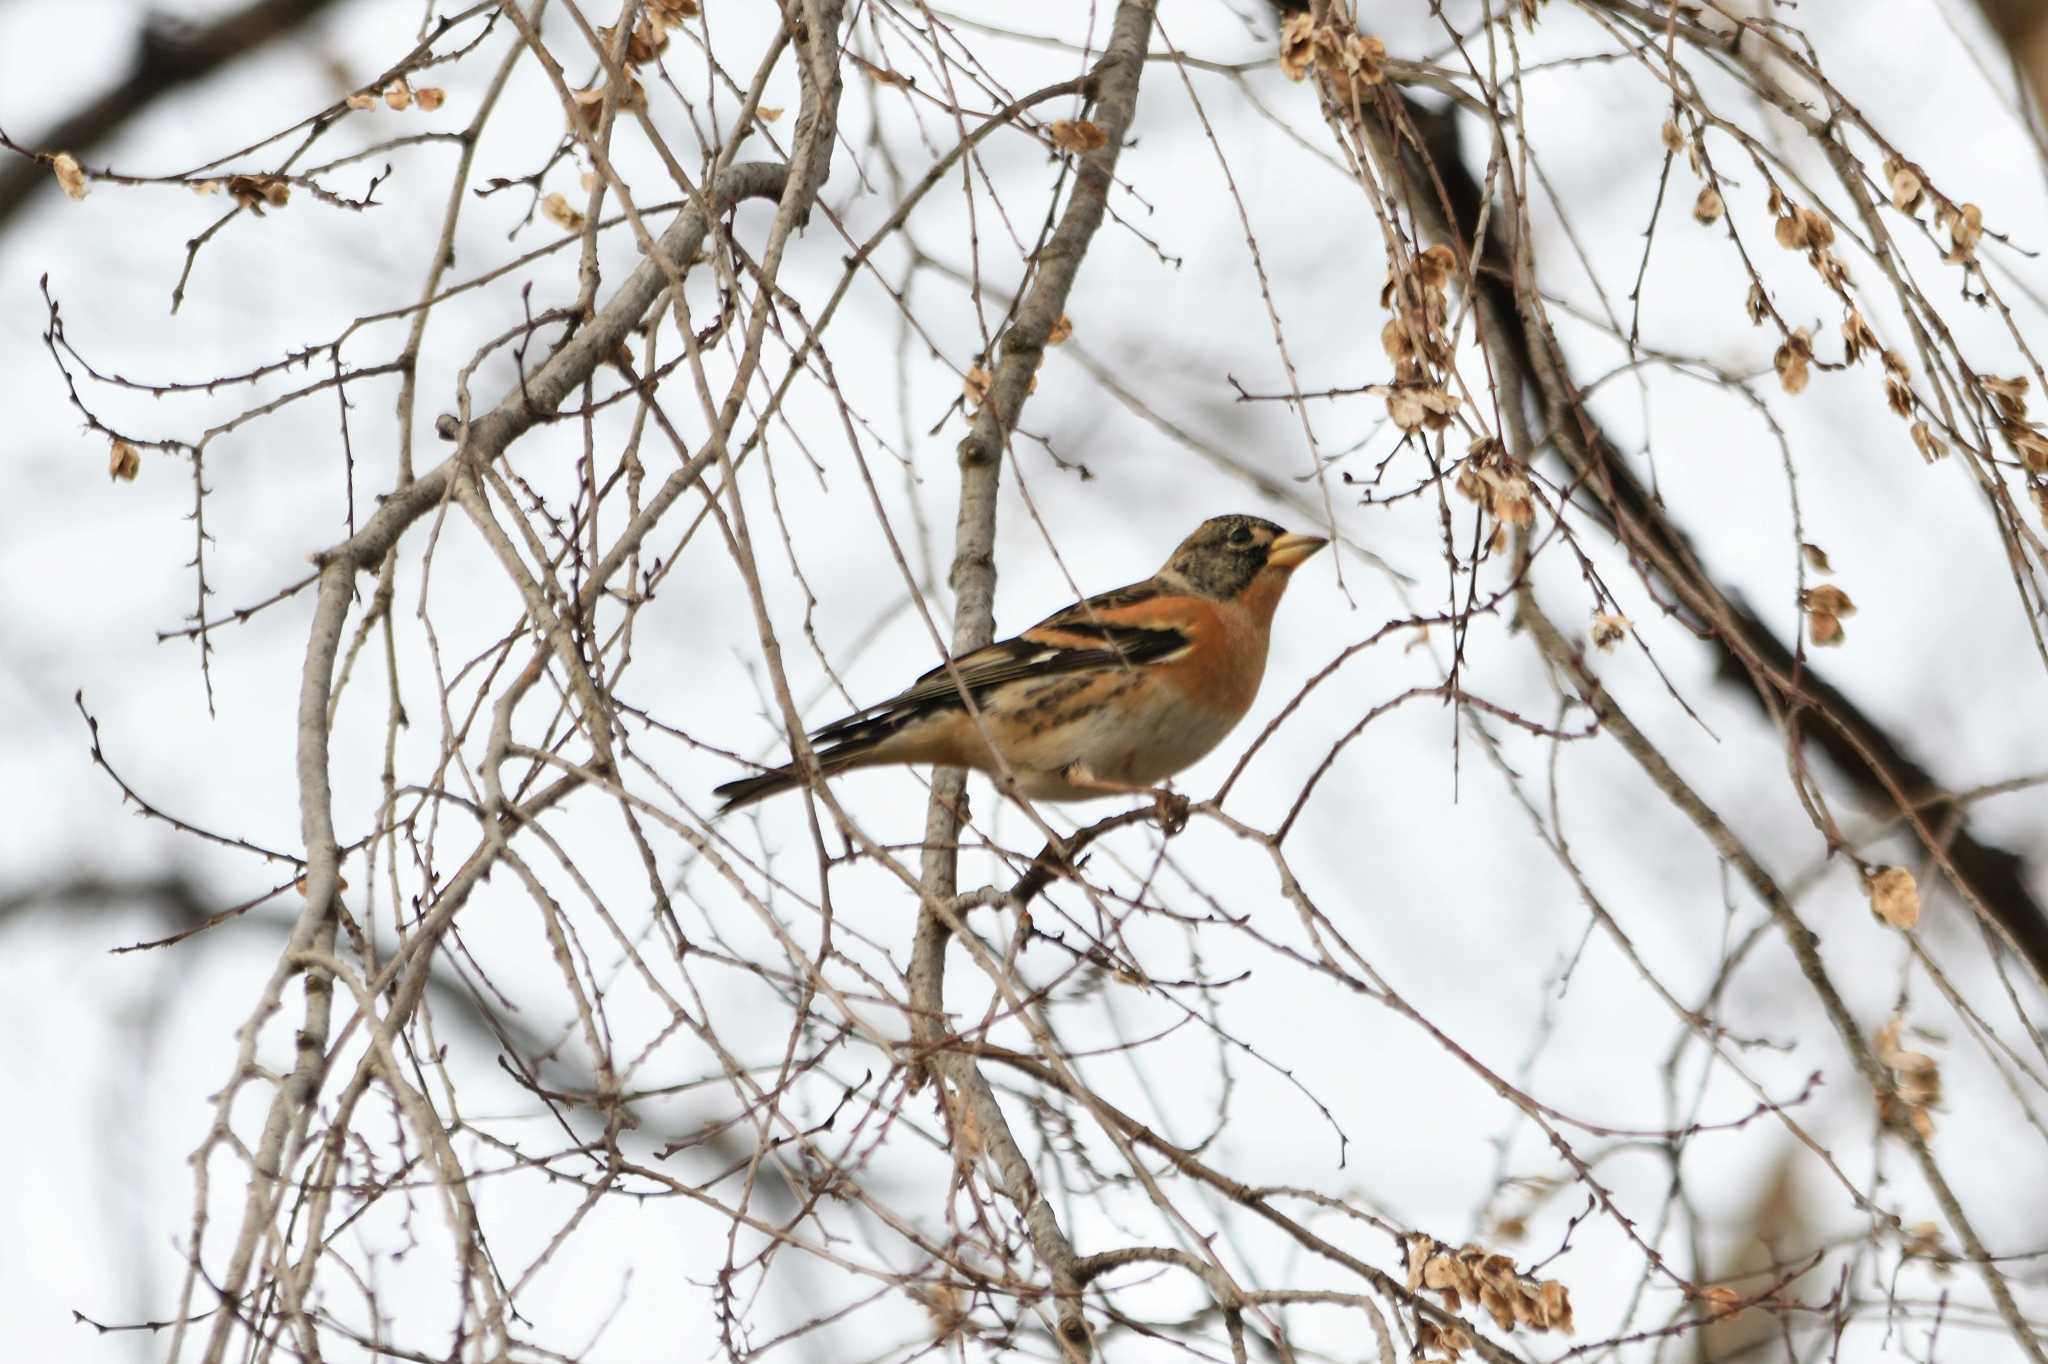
point(1019, 657)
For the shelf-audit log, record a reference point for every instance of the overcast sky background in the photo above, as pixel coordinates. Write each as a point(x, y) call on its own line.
point(1415, 845)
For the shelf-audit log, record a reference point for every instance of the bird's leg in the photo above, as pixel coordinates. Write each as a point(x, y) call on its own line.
point(1173, 806)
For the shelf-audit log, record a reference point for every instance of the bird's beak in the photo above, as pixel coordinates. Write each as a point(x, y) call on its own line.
point(1290, 549)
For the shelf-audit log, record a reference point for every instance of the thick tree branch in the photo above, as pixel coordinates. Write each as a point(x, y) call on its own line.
point(1804, 944)
point(973, 579)
point(1763, 667)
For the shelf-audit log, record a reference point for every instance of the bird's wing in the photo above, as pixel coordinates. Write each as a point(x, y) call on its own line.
point(1115, 628)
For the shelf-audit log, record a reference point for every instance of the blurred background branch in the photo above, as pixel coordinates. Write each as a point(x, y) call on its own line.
point(169, 55)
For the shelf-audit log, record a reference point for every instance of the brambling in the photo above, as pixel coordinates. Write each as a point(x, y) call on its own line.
point(1113, 694)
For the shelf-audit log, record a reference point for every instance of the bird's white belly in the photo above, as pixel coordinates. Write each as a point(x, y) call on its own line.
point(1138, 745)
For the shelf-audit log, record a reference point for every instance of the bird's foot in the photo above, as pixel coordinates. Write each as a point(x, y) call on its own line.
point(1172, 811)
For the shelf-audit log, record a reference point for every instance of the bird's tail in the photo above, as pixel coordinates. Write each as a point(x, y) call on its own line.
point(747, 790)
point(860, 740)
point(788, 777)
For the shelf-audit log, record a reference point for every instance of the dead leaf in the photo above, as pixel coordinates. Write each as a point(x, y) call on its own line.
point(1364, 59)
point(1857, 337)
point(768, 113)
point(1930, 446)
point(1817, 558)
point(1965, 229)
point(1297, 44)
point(1078, 135)
point(124, 462)
point(70, 174)
point(398, 94)
point(975, 386)
point(1905, 185)
point(588, 104)
point(647, 41)
point(1791, 361)
point(2029, 444)
point(1404, 407)
point(1436, 266)
point(1061, 330)
point(1922, 1241)
point(2009, 394)
point(1557, 1305)
point(560, 213)
point(1721, 1300)
point(429, 98)
point(1898, 396)
point(1830, 600)
point(253, 192)
point(1708, 207)
point(1894, 897)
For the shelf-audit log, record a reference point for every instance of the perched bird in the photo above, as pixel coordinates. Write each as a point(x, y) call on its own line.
point(1113, 694)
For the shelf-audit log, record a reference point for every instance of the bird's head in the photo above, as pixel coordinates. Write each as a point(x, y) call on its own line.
point(1226, 554)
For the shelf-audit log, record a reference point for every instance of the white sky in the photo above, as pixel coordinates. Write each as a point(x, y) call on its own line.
point(1430, 870)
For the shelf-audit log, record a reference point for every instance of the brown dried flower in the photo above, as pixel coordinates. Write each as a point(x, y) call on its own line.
point(1792, 359)
point(70, 174)
point(1345, 56)
point(1930, 446)
point(1757, 305)
point(1473, 1273)
point(1965, 229)
point(1894, 897)
point(1905, 184)
point(2009, 394)
point(1857, 337)
point(1078, 135)
point(559, 212)
point(253, 192)
point(1916, 1077)
point(1826, 605)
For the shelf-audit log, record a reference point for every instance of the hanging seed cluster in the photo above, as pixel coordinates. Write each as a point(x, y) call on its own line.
point(647, 41)
point(1474, 1274)
point(1344, 60)
point(1493, 479)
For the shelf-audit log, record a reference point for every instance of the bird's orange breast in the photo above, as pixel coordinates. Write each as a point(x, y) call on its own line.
point(1227, 659)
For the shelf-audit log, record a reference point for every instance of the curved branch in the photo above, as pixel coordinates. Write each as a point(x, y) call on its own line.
point(527, 405)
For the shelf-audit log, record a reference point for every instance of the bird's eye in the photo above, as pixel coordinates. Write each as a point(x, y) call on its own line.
point(1241, 536)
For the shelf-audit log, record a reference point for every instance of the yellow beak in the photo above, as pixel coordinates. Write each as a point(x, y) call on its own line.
point(1291, 549)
